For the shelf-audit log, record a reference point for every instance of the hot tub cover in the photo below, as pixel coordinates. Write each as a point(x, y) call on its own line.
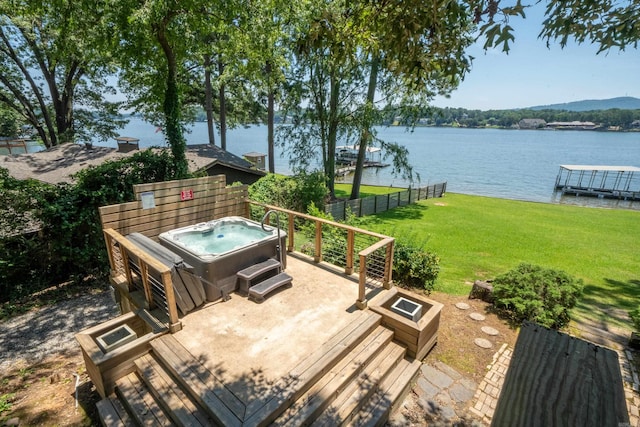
point(189, 290)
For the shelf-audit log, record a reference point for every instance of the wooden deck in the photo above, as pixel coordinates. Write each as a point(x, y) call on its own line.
point(310, 353)
point(306, 354)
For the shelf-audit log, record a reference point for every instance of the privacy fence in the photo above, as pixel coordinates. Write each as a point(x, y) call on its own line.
point(376, 204)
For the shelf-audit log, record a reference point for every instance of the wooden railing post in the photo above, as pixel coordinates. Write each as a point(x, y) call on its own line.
point(361, 302)
point(317, 257)
point(174, 322)
point(351, 237)
point(144, 272)
point(266, 218)
point(388, 266)
point(291, 231)
point(112, 260)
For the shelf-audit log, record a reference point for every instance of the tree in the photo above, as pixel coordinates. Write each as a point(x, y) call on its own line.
point(9, 125)
point(154, 41)
point(272, 24)
point(607, 23)
point(52, 71)
point(324, 76)
point(354, 56)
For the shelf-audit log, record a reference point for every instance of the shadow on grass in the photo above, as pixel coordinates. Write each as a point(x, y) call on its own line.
point(611, 303)
point(409, 212)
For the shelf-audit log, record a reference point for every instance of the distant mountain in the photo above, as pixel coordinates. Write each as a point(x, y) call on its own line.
point(623, 103)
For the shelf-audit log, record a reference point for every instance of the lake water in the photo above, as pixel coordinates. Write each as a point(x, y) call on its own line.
point(511, 164)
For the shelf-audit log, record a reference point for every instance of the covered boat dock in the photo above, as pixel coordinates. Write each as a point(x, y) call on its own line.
point(614, 182)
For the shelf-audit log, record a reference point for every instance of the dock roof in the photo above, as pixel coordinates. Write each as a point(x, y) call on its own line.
point(601, 168)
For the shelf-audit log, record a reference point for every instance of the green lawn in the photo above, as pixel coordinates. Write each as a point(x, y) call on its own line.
point(481, 237)
point(344, 190)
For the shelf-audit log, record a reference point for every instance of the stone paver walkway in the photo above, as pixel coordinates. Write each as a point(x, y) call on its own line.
point(443, 396)
point(486, 396)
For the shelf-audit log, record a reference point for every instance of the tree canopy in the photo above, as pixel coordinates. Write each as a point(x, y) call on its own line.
point(332, 66)
point(52, 73)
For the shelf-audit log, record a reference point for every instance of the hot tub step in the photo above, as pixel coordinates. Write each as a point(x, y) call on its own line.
point(258, 292)
point(245, 276)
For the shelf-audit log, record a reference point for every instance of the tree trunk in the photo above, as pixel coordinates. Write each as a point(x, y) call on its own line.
point(223, 109)
point(172, 105)
point(270, 121)
point(330, 163)
point(365, 135)
point(208, 100)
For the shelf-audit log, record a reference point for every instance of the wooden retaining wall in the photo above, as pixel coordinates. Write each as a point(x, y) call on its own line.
point(381, 203)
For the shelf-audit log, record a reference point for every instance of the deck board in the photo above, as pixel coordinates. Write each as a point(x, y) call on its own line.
point(210, 392)
point(392, 390)
point(311, 369)
point(353, 397)
point(113, 414)
point(181, 409)
point(142, 406)
point(316, 399)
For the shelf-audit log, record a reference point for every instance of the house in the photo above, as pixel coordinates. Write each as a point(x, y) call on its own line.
point(57, 164)
point(216, 161)
point(532, 123)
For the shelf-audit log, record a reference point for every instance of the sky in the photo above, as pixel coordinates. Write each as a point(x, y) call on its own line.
point(532, 74)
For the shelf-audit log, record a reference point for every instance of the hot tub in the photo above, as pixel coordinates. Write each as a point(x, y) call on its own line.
point(218, 249)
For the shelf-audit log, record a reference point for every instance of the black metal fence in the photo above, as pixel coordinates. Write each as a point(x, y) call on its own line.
point(376, 204)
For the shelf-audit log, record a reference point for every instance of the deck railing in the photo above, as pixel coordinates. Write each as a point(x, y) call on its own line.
point(355, 250)
point(152, 276)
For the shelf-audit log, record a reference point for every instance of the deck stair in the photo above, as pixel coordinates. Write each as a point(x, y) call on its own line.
point(354, 378)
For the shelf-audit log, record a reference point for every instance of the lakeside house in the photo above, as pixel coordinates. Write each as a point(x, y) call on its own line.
point(575, 125)
point(58, 164)
point(532, 123)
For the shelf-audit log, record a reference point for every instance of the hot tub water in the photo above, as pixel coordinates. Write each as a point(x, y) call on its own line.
point(222, 238)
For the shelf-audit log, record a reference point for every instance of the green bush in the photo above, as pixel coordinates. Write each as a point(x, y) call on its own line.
point(543, 296)
point(635, 318)
point(24, 258)
point(295, 193)
point(415, 267)
point(70, 213)
point(50, 234)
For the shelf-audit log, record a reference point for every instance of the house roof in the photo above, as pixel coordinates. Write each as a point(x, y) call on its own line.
point(557, 379)
point(57, 164)
point(204, 156)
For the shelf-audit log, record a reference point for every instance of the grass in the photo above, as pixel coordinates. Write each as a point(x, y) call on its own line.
point(343, 191)
point(479, 238)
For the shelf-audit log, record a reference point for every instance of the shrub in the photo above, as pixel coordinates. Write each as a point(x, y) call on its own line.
point(635, 318)
point(295, 193)
point(69, 242)
point(70, 212)
point(415, 267)
point(543, 296)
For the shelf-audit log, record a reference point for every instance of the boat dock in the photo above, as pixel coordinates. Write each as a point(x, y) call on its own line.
point(610, 182)
point(347, 155)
